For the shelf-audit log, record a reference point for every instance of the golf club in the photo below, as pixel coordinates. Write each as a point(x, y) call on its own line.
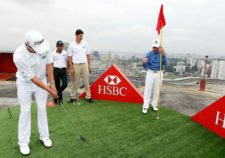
point(82, 138)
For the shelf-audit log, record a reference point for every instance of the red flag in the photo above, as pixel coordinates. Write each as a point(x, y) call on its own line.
point(161, 20)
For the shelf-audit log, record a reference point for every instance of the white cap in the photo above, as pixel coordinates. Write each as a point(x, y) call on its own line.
point(156, 43)
point(36, 41)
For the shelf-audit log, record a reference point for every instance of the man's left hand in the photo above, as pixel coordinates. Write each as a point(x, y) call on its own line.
point(53, 87)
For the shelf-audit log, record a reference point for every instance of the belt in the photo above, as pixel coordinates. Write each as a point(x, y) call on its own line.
point(79, 63)
point(155, 71)
point(60, 68)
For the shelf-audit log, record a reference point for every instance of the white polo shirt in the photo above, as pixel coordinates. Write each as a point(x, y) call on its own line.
point(59, 60)
point(78, 51)
point(30, 64)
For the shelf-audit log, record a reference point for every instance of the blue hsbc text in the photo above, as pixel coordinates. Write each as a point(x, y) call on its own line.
point(112, 90)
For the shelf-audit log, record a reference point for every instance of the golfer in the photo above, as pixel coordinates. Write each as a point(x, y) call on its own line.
point(32, 62)
point(152, 81)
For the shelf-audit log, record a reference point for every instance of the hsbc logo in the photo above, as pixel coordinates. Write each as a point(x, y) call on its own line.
point(112, 87)
point(220, 117)
point(115, 86)
point(112, 80)
point(213, 117)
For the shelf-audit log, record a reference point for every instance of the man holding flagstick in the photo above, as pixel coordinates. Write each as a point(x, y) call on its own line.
point(153, 63)
point(153, 80)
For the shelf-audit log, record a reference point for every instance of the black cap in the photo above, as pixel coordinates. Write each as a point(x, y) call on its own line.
point(59, 43)
point(79, 31)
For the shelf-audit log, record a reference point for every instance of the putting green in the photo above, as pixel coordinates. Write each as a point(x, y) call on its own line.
point(113, 130)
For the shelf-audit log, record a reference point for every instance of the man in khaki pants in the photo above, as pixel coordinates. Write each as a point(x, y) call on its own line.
point(79, 62)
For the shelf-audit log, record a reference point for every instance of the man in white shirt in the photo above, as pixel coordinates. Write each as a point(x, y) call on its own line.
point(32, 62)
point(79, 61)
point(59, 59)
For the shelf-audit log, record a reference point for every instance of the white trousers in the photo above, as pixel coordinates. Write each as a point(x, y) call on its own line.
point(24, 93)
point(151, 91)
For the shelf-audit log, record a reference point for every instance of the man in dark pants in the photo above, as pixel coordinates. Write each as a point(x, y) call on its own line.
point(59, 59)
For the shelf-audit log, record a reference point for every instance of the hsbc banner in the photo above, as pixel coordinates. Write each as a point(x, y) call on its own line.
point(115, 86)
point(213, 117)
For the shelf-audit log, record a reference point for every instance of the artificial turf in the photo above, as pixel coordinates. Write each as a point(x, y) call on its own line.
point(112, 129)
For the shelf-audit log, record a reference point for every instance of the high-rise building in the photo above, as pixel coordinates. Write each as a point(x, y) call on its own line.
point(200, 64)
point(190, 62)
point(221, 72)
point(218, 70)
point(96, 54)
point(180, 67)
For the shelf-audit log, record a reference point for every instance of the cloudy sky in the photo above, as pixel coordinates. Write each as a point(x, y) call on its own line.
point(193, 26)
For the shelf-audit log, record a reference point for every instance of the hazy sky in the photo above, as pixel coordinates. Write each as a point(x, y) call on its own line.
point(193, 26)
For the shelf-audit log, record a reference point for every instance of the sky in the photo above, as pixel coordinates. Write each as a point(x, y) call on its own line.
point(126, 26)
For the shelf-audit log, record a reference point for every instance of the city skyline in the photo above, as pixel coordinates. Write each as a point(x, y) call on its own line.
point(118, 26)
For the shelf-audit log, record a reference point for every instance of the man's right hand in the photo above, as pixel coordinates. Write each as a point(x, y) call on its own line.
point(39, 83)
point(72, 73)
point(53, 93)
point(145, 60)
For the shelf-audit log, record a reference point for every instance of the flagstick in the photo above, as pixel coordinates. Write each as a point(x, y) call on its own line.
point(160, 76)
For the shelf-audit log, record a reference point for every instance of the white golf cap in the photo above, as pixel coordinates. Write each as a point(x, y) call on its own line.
point(36, 41)
point(156, 43)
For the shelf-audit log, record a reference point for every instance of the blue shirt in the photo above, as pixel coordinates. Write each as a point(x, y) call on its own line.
point(153, 62)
